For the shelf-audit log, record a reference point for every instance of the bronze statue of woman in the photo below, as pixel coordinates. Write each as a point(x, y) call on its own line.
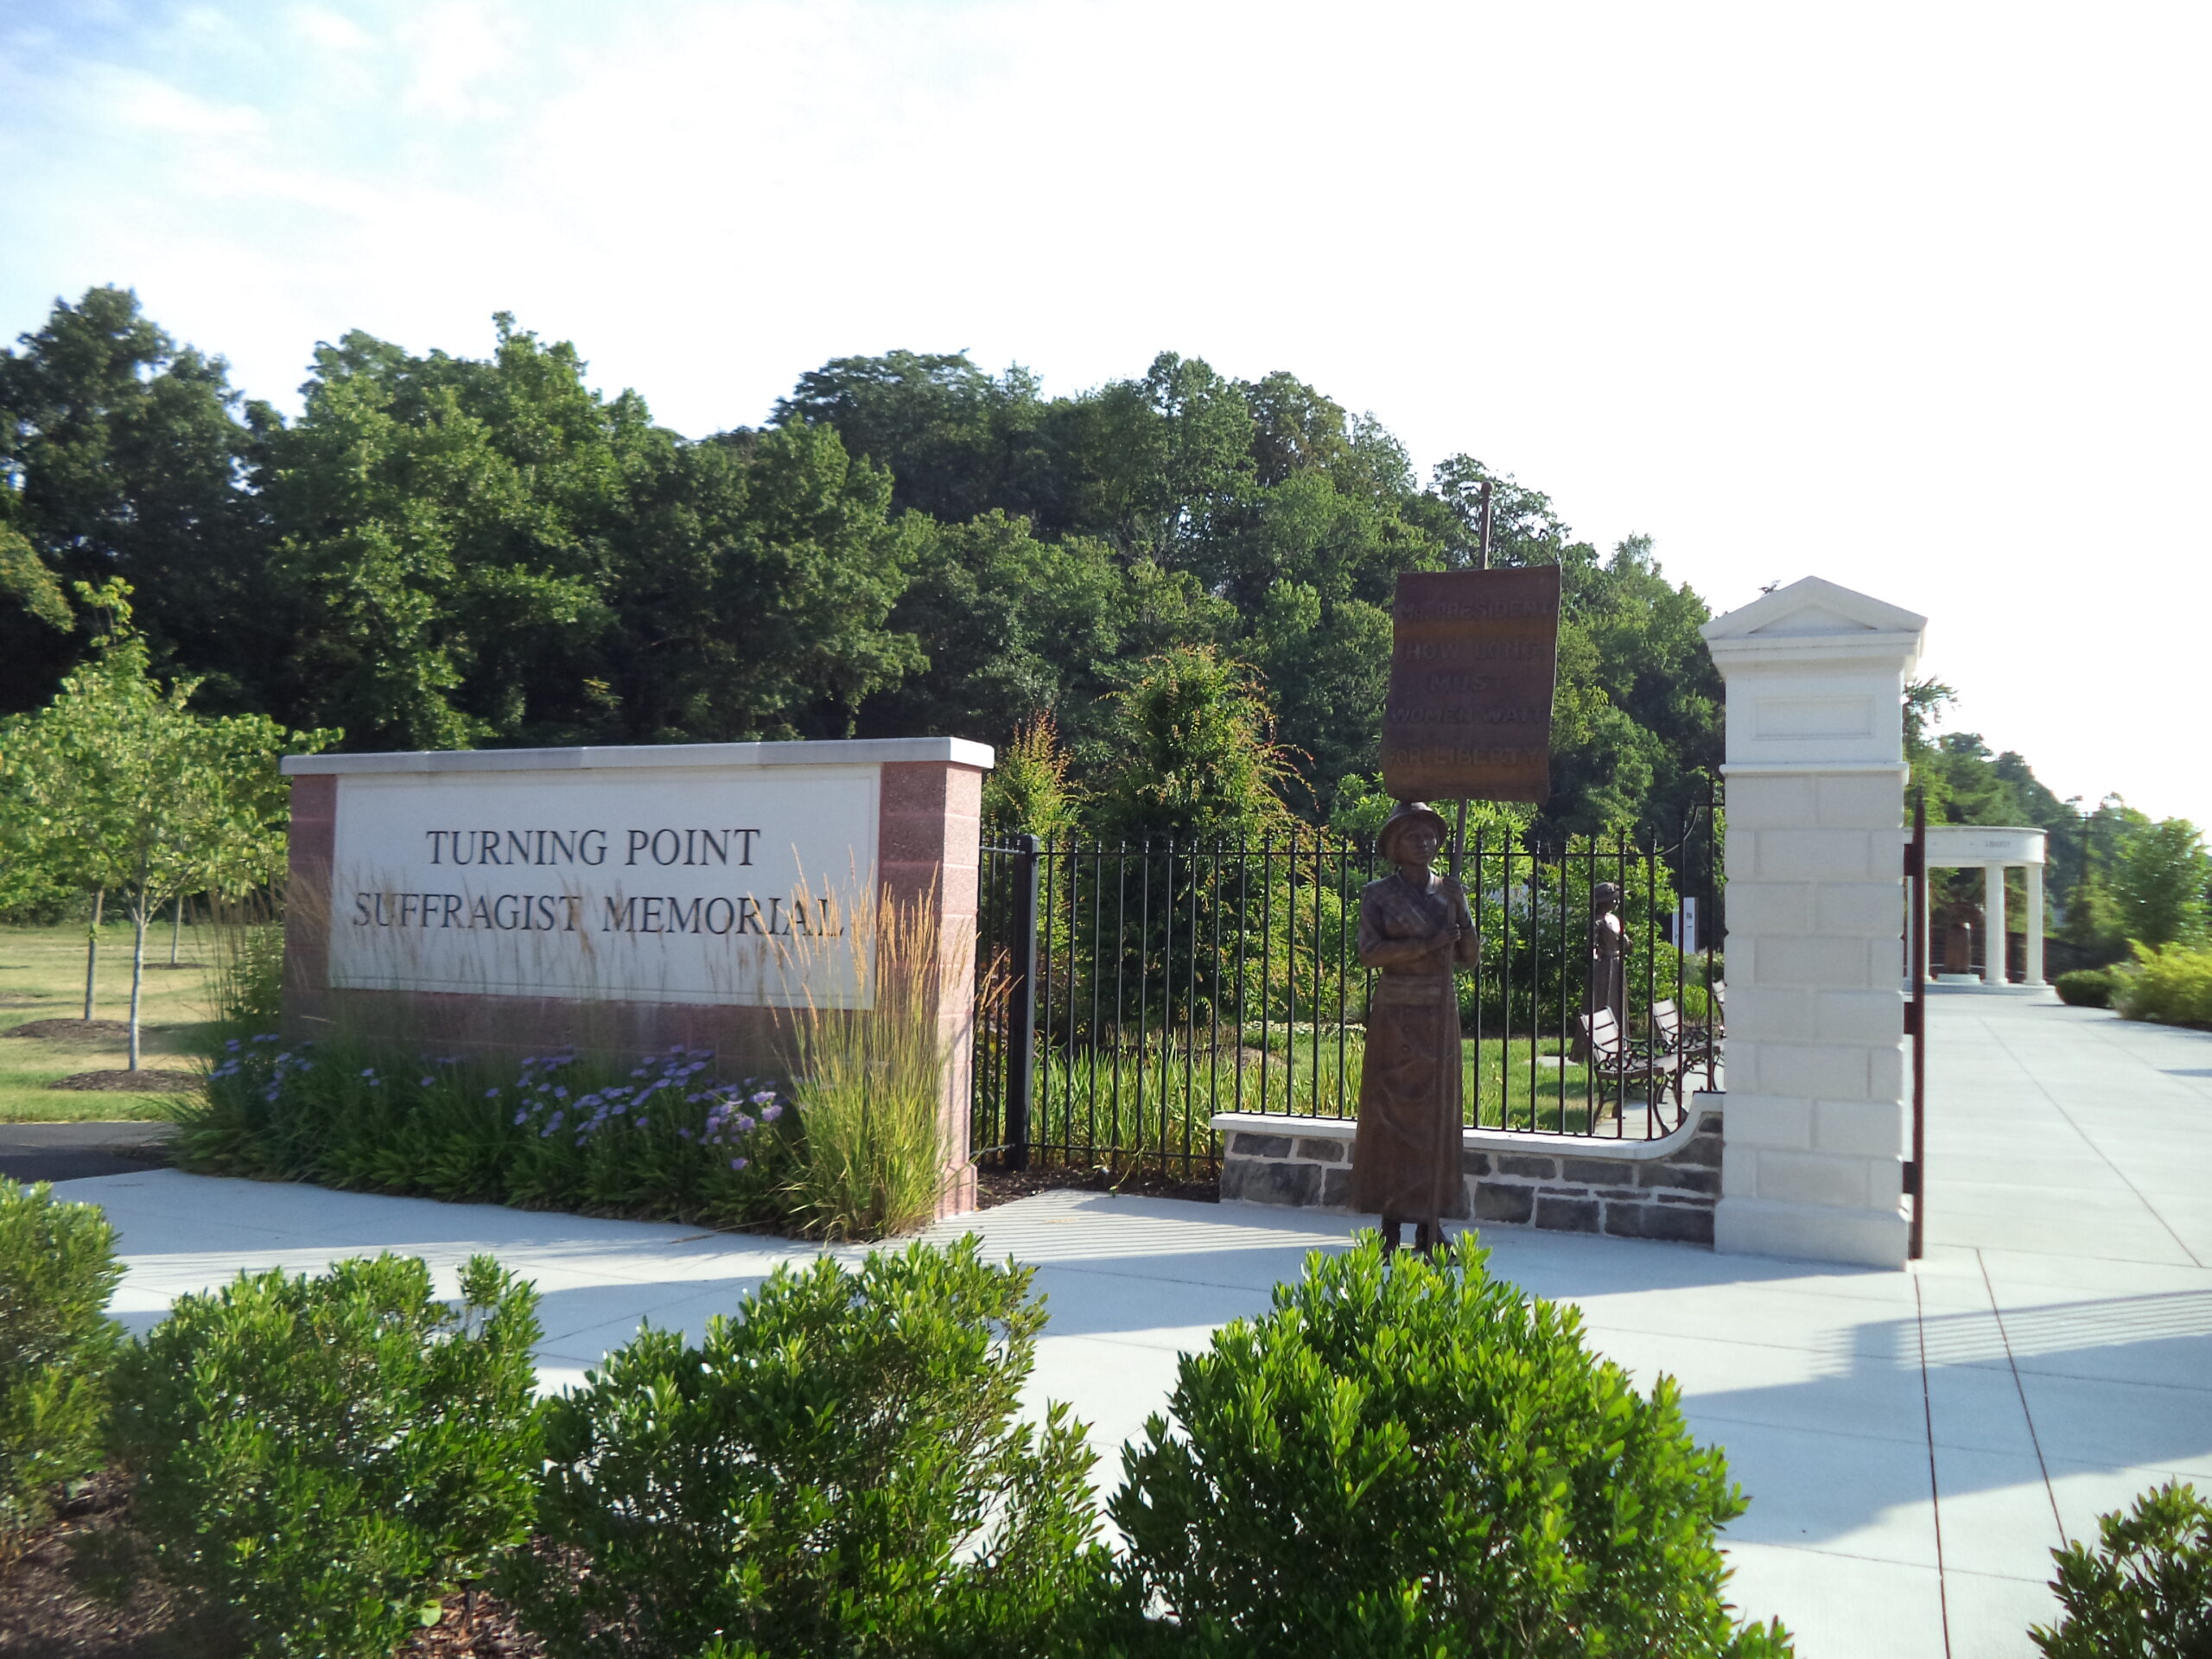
point(1604, 982)
point(1414, 928)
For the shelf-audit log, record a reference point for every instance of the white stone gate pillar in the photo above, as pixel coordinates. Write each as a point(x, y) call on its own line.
point(1813, 1165)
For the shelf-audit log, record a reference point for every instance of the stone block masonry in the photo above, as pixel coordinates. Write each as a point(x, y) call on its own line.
point(1815, 771)
point(1664, 1189)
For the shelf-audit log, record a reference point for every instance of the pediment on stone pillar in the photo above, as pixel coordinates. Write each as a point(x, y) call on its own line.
point(1815, 607)
point(1816, 674)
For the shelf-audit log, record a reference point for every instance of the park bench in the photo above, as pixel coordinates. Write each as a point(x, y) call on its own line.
point(1699, 1047)
point(1621, 1064)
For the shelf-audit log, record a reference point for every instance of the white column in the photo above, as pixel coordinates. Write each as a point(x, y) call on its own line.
point(2035, 925)
point(1992, 921)
point(1928, 927)
point(1814, 1150)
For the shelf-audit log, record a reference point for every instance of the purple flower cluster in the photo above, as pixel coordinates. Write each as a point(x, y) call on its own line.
point(729, 1121)
point(660, 1083)
point(719, 1118)
point(263, 1069)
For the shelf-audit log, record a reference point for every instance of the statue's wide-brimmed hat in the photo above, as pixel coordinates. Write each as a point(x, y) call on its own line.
point(1408, 814)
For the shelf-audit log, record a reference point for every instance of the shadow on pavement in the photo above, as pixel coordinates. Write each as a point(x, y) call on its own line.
point(75, 1152)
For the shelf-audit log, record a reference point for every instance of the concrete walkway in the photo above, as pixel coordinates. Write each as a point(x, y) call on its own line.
point(1913, 1443)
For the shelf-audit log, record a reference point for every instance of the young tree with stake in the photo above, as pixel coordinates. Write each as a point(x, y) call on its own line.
point(133, 793)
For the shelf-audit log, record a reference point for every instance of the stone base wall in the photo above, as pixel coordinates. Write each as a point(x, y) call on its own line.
point(1664, 1189)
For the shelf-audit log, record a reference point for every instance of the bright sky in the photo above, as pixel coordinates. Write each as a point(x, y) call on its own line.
point(1911, 296)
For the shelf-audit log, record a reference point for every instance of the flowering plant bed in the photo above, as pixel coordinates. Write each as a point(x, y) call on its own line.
point(659, 1138)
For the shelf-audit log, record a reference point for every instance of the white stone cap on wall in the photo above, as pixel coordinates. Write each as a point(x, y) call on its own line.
point(827, 752)
point(1953, 845)
point(1507, 1140)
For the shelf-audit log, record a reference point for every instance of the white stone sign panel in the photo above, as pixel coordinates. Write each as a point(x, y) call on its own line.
point(639, 884)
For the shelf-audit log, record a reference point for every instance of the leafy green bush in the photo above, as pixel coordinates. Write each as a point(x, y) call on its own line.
point(2169, 983)
point(316, 1460)
point(1406, 1457)
point(57, 1271)
point(2087, 987)
point(2145, 1590)
point(836, 1472)
point(661, 1136)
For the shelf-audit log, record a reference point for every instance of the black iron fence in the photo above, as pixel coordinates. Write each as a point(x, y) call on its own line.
point(1128, 993)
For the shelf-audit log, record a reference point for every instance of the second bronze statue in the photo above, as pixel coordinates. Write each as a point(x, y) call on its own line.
point(1414, 931)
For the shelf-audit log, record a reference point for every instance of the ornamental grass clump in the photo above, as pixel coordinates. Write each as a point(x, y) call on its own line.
point(57, 1271)
point(1409, 1457)
point(244, 969)
point(867, 1073)
point(316, 1461)
point(838, 1470)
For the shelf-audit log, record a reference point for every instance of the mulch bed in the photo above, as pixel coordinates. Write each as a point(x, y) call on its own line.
point(144, 1081)
point(72, 1031)
point(997, 1186)
point(47, 1610)
point(44, 1609)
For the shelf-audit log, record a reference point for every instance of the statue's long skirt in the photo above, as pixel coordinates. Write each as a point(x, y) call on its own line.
point(1406, 1156)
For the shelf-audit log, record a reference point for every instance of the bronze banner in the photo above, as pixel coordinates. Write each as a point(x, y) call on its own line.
point(1474, 655)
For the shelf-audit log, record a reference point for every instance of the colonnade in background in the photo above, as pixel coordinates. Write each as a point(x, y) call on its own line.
point(1995, 848)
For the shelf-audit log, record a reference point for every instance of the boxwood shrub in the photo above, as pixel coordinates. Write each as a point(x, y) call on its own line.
point(316, 1460)
point(2145, 1590)
point(1409, 1457)
point(2086, 987)
point(837, 1470)
point(57, 1271)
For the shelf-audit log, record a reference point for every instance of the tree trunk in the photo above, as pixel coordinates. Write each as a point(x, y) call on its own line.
point(92, 948)
point(176, 927)
point(138, 970)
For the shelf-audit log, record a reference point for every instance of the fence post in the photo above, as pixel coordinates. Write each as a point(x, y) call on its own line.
point(1021, 1005)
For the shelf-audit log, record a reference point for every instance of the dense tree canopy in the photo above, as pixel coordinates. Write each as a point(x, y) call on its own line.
point(447, 550)
point(126, 455)
point(1078, 537)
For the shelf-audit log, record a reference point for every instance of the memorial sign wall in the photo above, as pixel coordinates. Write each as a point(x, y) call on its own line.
point(625, 899)
point(1474, 657)
point(650, 883)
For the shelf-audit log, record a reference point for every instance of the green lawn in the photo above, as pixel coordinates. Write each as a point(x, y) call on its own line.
point(42, 977)
point(1108, 1099)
